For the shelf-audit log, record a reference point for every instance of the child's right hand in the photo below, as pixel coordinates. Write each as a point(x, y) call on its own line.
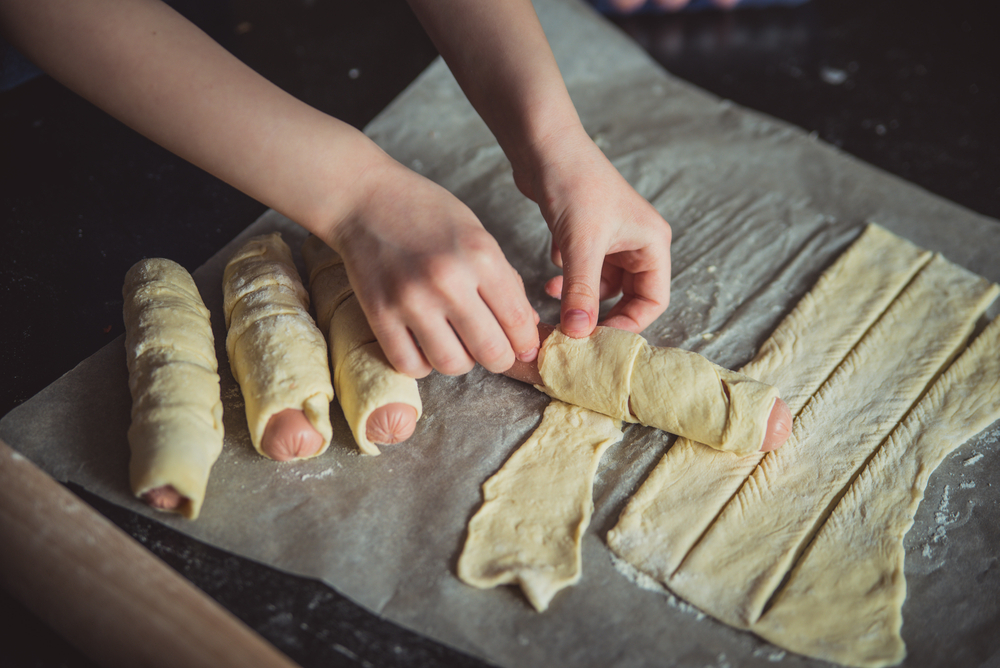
point(435, 286)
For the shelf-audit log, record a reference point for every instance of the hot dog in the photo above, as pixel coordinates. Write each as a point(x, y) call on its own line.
point(779, 423)
point(380, 404)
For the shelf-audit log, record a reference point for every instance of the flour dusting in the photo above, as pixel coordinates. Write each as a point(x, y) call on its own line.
point(325, 473)
point(772, 654)
point(643, 581)
point(974, 459)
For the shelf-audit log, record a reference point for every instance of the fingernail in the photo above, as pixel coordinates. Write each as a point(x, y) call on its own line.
point(528, 355)
point(575, 320)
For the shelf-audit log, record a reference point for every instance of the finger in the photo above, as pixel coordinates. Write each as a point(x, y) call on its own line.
point(611, 281)
point(442, 347)
point(392, 423)
point(402, 351)
point(645, 298)
point(553, 287)
point(485, 340)
point(289, 435)
point(517, 320)
point(527, 372)
point(581, 288)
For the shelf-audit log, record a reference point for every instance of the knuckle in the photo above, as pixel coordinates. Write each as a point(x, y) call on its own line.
point(578, 289)
point(496, 355)
point(519, 315)
point(454, 365)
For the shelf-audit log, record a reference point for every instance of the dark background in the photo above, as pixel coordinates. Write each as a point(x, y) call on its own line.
point(910, 87)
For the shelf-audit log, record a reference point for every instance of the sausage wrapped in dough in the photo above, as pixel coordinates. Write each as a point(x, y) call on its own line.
point(362, 376)
point(617, 373)
point(177, 431)
point(277, 354)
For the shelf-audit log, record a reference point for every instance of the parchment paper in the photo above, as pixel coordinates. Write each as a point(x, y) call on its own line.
point(758, 210)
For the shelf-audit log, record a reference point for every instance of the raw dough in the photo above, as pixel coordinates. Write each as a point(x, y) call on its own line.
point(663, 520)
point(617, 373)
point(538, 505)
point(277, 354)
point(177, 431)
point(362, 375)
point(861, 623)
point(898, 333)
point(730, 573)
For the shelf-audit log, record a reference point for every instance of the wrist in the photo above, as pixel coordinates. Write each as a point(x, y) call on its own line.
point(356, 170)
point(544, 168)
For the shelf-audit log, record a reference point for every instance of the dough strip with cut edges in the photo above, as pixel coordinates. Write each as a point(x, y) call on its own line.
point(277, 354)
point(363, 378)
point(663, 520)
point(617, 373)
point(885, 321)
point(730, 573)
point(538, 505)
point(859, 551)
point(177, 430)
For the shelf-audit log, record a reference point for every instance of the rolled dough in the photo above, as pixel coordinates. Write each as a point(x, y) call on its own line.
point(538, 505)
point(277, 354)
point(177, 430)
point(617, 373)
point(363, 378)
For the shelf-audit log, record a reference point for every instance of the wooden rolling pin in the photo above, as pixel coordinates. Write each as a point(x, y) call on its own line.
point(105, 593)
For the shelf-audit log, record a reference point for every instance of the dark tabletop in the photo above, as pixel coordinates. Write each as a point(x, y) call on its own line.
point(909, 86)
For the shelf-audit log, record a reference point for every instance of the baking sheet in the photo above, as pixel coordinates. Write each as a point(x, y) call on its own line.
point(758, 210)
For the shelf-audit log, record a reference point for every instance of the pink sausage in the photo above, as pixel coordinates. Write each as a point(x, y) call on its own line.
point(392, 423)
point(289, 435)
point(164, 498)
point(779, 426)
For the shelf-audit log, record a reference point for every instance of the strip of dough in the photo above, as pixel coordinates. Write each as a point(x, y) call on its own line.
point(617, 373)
point(277, 354)
point(858, 554)
point(177, 430)
point(691, 484)
point(537, 506)
point(363, 378)
point(731, 573)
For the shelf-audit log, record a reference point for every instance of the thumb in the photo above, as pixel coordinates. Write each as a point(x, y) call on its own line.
point(580, 290)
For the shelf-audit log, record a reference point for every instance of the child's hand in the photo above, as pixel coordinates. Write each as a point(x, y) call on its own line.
point(435, 286)
point(606, 238)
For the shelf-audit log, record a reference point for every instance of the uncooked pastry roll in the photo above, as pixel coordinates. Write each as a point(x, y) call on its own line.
point(176, 432)
point(362, 375)
point(617, 373)
point(277, 354)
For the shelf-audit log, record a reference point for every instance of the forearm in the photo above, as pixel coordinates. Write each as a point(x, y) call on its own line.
point(501, 58)
point(152, 69)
